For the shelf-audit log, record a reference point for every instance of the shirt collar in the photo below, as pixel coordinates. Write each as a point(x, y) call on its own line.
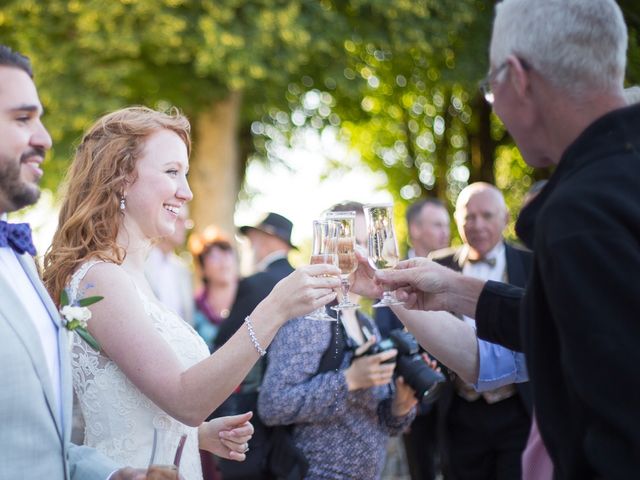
point(269, 259)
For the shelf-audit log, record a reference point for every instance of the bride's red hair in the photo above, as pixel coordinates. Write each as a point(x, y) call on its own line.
point(104, 163)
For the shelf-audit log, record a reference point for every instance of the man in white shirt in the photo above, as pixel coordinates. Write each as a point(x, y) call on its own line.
point(483, 434)
point(169, 275)
point(35, 402)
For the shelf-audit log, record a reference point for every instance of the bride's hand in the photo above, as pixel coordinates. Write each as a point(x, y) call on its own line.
point(227, 437)
point(304, 290)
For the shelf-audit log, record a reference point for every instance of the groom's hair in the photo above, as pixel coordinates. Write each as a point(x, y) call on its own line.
point(9, 58)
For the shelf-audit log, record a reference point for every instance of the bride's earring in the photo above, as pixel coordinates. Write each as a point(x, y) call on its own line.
point(122, 203)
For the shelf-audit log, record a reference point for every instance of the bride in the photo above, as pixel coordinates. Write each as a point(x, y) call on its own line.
point(124, 189)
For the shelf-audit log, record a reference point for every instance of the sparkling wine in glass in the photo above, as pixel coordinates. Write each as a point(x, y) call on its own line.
point(347, 261)
point(382, 244)
point(165, 455)
point(324, 250)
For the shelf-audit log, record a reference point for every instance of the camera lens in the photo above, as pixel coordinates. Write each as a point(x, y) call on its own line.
point(418, 374)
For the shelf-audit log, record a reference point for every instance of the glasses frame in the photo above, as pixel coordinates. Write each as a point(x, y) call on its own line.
point(485, 85)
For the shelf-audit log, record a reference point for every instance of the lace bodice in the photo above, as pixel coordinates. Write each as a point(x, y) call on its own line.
point(119, 418)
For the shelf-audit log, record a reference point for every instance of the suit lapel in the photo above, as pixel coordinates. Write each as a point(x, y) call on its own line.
point(460, 257)
point(66, 389)
point(18, 317)
point(63, 349)
point(515, 269)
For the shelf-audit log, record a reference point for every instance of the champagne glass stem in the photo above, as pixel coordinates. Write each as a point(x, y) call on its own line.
point(344, 287)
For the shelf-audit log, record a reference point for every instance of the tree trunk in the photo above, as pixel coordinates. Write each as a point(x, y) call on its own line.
point(214, 165)
point(483, 146)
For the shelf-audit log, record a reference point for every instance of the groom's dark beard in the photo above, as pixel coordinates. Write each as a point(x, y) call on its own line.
point(18, 192)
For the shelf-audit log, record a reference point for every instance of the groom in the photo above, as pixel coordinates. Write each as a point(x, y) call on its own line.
point(35, 402)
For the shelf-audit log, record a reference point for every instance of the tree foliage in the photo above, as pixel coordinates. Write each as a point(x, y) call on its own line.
point(396, 80)
point(413, 110)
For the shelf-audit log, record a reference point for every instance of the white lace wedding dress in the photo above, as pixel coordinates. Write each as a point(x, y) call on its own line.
point(119, 419)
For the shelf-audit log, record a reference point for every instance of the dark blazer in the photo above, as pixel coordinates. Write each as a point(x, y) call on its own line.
point(579, 316)
point(518, 268)
point(251, 291)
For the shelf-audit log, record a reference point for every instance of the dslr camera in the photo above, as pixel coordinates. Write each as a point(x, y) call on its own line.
point(409, 363)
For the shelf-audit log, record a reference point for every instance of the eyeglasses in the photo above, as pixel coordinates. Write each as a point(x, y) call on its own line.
point(485, 85)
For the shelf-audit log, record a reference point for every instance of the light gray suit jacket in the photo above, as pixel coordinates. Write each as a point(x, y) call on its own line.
point(34, 440)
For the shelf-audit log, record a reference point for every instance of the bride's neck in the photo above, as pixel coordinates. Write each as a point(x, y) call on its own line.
point(136, 249)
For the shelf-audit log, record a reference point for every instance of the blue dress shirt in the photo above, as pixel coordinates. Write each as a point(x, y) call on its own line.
point(499, 366)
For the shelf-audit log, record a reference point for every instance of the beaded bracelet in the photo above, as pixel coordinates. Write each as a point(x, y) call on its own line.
point(254, 339)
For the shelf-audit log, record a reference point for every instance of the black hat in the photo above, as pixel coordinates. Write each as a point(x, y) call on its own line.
point(275, 225)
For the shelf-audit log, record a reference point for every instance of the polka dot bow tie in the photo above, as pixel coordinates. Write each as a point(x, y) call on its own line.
point(17, 236)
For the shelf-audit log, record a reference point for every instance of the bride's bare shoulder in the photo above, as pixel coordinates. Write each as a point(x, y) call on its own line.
point(107, 277)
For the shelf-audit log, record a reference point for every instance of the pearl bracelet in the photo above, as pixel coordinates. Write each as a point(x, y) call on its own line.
point(254, 339)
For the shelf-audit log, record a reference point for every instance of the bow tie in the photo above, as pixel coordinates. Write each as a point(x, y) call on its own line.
point(17, 236)
point(489, 261)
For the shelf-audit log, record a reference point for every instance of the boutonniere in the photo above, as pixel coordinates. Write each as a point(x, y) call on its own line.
point(76, 315)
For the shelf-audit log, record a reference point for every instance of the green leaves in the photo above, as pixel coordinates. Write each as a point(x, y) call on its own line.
point(85, 302)
point(87, 337)
point(64, 298)
point(76, 316)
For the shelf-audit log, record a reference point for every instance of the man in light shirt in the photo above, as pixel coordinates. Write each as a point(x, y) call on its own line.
point(35, 402)
point(168, 274)
point(484, 433)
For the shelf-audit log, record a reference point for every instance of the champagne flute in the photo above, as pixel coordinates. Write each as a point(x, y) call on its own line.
point(383, 248)
point(165, 455)
point(347, 261)
point(324, 250)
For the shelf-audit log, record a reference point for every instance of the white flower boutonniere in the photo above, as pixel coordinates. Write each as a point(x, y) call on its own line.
point(76, 315)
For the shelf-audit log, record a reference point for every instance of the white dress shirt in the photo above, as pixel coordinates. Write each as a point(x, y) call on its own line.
point(12, 270)
point(170, 280)
point(484, 271)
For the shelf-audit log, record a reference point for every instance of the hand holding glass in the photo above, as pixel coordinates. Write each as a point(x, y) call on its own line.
point(165, 455)
point(324, 250)
point(382, 245)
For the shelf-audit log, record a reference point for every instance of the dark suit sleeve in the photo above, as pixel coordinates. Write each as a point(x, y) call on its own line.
point(251, 291)
point(386, 321)
point(498, 313)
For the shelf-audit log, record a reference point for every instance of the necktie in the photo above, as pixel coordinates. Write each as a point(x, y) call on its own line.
point(17, 236)
point(489, 261)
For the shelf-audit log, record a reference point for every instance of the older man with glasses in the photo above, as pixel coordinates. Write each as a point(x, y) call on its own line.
point(557, 84)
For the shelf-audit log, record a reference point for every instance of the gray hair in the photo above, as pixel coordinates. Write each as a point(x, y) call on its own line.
point(580, 46)
point(632, 95)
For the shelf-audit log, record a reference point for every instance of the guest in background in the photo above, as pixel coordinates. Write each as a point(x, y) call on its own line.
point(271, 242)
point(169, 275)
point(428, 224)
point(484, 434)
point(218, 267)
